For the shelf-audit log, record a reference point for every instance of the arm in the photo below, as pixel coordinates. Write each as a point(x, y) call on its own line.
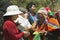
point(12, 30)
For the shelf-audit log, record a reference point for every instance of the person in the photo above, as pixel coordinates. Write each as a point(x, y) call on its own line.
point(40, 22)
point(54, 29)
point(53, 26)
point(10, 31)
point(32, 16)
point(41, 17)
point(23, 22)
point(58, 18)
point(3, 5)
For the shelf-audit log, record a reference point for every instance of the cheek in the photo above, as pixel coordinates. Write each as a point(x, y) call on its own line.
point(15, 17)
point(33, 8)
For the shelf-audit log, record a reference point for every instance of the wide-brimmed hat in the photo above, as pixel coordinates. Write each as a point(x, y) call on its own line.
point(42, 10)
point(12, 10)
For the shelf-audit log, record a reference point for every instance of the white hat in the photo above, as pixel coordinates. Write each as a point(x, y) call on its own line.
point(42, 10)
point(12, 10)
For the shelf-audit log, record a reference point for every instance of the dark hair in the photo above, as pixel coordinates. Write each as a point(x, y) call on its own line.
point(29, 5)
point(6, 17)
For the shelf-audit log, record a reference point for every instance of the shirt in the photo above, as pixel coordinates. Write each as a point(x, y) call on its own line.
point(32, 18)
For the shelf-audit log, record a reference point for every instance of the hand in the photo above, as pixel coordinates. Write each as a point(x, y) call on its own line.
point(26, 33)
point(43, 32)
point(26, 28)
point(34, 24)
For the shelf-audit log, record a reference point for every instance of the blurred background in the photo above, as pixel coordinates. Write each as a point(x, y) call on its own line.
point(53, 4)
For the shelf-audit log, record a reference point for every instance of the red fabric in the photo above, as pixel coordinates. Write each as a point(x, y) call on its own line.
point(10, 31)
point(47, 8)
point(40, 27)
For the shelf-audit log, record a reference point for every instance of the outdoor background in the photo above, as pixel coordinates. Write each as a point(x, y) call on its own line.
point(53, 4)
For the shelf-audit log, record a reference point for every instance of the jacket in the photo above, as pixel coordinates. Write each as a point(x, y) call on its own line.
point(10, 31)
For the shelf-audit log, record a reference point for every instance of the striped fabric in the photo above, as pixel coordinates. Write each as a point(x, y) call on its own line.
point(52, 26)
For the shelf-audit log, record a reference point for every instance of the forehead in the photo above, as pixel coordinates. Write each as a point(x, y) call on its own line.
point(33, 6)
point(40, 14)
point(15, 15)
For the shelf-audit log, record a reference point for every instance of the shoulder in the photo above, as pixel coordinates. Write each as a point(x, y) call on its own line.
point(8, 22)
point(53, 19)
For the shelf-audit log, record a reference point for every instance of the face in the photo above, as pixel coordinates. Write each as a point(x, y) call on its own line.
point(22, 14)
point(33, 8)
point(40, 19)
point(40, 15)
point(58, 16)
point(14, 17)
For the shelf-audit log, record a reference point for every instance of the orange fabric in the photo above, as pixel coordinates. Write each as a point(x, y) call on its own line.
point(34, 29)
point(40, 28)
point(53, 21)
point(49, 28)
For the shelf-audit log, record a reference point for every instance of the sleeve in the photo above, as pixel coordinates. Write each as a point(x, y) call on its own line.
point(12, 30)
point(21, 22)
point(29, 25)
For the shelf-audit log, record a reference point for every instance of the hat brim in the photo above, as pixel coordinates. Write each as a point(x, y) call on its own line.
point(12, 13)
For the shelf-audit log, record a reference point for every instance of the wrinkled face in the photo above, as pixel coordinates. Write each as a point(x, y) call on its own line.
point(40, 17)
point(14, 17)
point(33, 8)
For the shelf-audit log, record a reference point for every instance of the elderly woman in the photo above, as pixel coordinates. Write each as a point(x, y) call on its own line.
point(58, 18)
point(10, 30)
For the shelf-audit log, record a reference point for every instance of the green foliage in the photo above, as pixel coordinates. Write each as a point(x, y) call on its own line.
point(40, 3)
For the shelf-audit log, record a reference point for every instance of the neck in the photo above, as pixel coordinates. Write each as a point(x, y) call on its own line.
point(12, 19)
point(32, 13)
